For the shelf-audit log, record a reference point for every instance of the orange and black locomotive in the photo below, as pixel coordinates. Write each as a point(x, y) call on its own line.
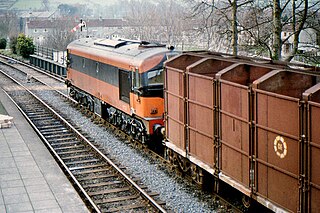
point(120, 80)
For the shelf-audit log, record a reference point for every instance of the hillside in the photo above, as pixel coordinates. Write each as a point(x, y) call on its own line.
point(53, 4)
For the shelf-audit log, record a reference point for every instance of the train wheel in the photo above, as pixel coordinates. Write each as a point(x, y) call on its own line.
point(124, 125)
point(90, 106)
point(133, 129)
point(197, 174)
point(72, 93)
point(246, 201)
point(119, 120)
point(77, 96)
point(111, 117)
point(170, 156)
point(183, 163)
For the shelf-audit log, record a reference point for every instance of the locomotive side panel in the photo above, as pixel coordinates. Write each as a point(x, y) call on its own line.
point(98, 79)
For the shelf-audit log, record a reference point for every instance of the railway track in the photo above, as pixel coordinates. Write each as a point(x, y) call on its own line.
point(104, 185)
point(71, 147)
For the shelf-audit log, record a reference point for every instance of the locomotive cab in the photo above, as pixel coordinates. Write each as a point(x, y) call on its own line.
point(148, 84)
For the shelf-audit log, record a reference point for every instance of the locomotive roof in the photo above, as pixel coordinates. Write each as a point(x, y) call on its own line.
point(117, 52)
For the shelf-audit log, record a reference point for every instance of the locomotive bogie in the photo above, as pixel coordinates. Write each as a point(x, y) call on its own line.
point(246, 123)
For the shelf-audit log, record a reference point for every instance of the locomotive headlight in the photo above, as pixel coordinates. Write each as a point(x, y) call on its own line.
point(153, 111)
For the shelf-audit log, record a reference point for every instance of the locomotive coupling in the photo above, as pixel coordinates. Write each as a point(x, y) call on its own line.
point(159, 130)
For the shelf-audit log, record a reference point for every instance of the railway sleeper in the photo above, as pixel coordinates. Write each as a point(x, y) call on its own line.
point(85, 156)
point(56, 132)
point(73, 152)
point(110, 183)
point(44, 117)
point(94, 160)
point(101, 176)
point(60, 134)
point(91, 166)
point(69, 147)
point(53, 130)
point(68, 142)
point(51, 126)
point(116, 199)
point(143, 208)
point(109, 191)
point(84, 172)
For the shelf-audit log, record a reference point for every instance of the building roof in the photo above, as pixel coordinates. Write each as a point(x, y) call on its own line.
point(41, 24)
point(45, 14)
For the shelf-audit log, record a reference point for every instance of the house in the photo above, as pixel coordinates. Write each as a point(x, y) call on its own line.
point(40, 29)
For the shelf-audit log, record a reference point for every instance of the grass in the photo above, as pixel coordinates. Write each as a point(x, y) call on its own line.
point(27, 4)
point(8, 52)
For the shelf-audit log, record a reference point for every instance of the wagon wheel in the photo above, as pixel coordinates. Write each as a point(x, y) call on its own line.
point(246, 201)
point(170, 155)
point(196, 174)
point(184, 165)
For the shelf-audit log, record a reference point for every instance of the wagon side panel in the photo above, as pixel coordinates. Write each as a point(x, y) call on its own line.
point(200, 118)
point(235, 132)
point(175, 121)
point(314, 157)
point(277, 145)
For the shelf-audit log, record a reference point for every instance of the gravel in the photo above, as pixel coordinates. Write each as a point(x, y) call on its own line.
point(179, 194)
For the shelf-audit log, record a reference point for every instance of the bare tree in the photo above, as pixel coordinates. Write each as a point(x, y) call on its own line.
point(158, 21)
point(282, 18)
point(223, 15)
point(60, 35)
point(8, 24)
point(258, 24)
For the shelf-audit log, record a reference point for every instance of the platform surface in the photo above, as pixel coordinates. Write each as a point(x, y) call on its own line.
point(30, 178)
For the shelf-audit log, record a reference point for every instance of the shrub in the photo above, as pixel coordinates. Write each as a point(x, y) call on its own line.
point(25, 46)
point(13, 44)
point(3, 43)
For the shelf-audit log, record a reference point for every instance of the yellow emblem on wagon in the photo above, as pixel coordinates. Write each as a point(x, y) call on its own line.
point(280, 147)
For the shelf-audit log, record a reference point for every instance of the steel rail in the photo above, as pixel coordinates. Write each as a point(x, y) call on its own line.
point(125, 176)
point(45, 140)
point(61, 79)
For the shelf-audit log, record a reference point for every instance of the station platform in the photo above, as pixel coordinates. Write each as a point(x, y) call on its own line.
point(30, 178)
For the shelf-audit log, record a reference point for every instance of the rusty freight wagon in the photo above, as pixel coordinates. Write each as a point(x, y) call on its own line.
point(251, 124)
